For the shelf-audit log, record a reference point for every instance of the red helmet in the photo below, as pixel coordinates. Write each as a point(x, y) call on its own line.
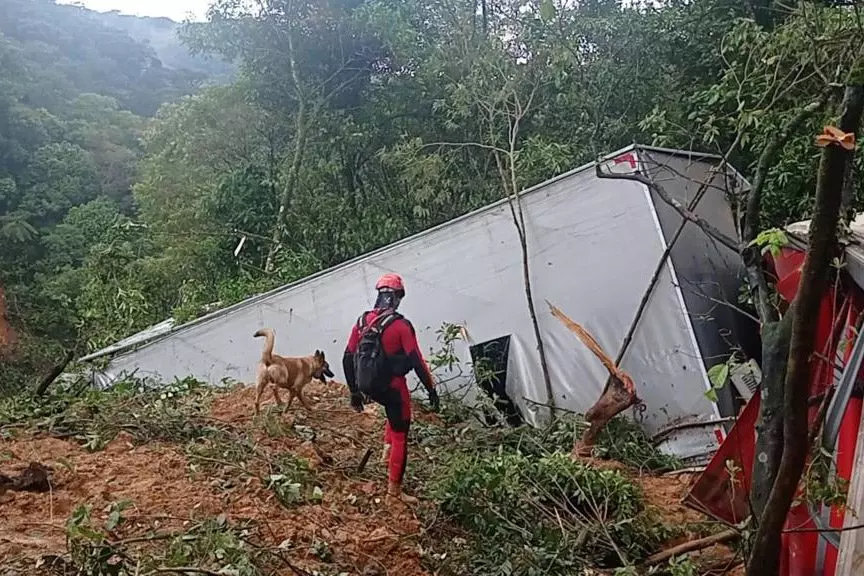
point(391, 282)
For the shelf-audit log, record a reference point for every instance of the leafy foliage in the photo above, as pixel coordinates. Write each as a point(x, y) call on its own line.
point(210, 545)
point(95, 417)
point(621, 439)
point(527, 507)
point(771, 240)
point(65, 52)
point(72, 95)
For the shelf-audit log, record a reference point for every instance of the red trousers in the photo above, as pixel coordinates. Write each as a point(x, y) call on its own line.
point(397, 404)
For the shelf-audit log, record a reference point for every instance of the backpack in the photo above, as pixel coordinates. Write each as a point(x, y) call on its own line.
point(370, 362)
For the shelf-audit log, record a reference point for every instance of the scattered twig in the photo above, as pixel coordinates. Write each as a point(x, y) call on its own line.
point(325, 458)
point(545, 405)
point(691, 546)
point(184, 570)
point(820, 417)
point(821, 530)
point(363, 461)
point(376, 561)
point(154, 537)
point(288, 564)
point(691, 470)
point(722, 566)
point(222, 462)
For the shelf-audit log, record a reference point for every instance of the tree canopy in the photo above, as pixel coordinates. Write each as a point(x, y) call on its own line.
point(131, 191)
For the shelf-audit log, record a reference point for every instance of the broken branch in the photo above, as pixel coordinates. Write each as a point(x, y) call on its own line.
point(691, 546)
point(618, 395)
point(710, 230)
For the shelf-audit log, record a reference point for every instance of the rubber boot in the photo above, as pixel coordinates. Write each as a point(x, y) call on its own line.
point(394, 492)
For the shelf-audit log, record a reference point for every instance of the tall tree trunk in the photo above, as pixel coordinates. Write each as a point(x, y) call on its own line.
point(764, 558)
point(301, 135)
point(511, 187)
point(769, 426)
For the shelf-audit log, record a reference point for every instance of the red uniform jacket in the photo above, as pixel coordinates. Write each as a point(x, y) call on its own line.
point(400, 345)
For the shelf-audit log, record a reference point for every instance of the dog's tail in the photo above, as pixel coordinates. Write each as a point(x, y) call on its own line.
point(267, 353)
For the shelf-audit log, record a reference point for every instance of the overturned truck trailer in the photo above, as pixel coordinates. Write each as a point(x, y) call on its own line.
point(598, 249)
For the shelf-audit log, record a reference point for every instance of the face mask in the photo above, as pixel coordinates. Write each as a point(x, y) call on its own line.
point(387, 299)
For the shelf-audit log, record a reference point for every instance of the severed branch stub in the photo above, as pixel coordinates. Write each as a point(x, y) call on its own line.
point(363, 461)
point(618, 395)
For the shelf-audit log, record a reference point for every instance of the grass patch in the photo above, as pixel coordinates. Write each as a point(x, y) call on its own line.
point(273, 423)
point(148, 411)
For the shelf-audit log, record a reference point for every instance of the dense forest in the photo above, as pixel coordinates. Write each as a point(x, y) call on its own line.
point(132, 191)
point(74, 95)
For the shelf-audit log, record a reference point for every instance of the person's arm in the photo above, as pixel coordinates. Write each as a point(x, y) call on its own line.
point(348, 368)
point(416, 361)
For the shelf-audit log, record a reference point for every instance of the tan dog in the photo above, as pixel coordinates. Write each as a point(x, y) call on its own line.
point(292, 374)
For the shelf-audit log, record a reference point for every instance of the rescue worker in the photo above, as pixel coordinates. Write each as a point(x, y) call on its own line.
point(401, 354)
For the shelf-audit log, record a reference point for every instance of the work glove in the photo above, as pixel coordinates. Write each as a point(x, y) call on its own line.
point(434, 401)
point(357, 402)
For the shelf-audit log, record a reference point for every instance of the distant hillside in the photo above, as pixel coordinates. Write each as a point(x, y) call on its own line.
point(161, 35)
point(75, 92)
point(63, 52)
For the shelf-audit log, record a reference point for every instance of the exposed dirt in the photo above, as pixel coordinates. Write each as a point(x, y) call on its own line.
point(353, 516)
point(8, 337)
point(362, 531)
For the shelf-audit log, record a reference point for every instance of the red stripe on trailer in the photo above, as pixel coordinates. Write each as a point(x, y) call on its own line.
point(722, 490)
point(629, 158)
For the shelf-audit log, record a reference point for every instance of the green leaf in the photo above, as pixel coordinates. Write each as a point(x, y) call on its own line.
point(115, 516)
point(547, 10)
point(771, 240)
point(113, 520)
point(711, 395)
point(718, 375)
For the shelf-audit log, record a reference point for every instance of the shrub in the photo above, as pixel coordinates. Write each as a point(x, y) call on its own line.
point(528, 515)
